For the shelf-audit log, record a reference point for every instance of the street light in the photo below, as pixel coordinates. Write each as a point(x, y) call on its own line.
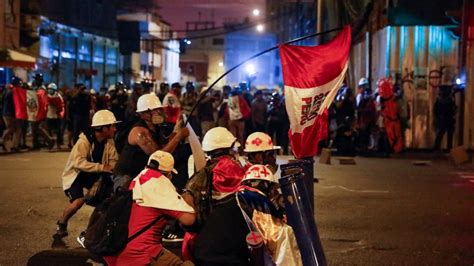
point(260, 28)
point(221, 64)
point(250, 68)
point(256, 12)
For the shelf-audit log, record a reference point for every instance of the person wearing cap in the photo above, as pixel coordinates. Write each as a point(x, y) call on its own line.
point(93, 155)
point(145, 137)
point(55, 112)
point(255, 198)
point(154, 195)
point(171, 103)
point(260, 150)
point(218, 237)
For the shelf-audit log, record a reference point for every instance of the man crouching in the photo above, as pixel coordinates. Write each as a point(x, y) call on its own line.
point(154, 195)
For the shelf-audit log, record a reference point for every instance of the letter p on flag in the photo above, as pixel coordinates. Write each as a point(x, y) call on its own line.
point(312, 76)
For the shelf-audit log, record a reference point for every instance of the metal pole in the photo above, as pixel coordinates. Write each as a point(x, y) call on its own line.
point(319, 19)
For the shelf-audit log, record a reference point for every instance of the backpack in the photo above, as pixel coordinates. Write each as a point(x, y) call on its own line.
point(107, 231)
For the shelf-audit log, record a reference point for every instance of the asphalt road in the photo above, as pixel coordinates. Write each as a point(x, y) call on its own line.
point(377, 212)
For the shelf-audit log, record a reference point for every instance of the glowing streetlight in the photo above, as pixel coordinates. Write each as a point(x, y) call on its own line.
point(250, 68)
point(256, 12)
point(221, 64)
point(260, 28)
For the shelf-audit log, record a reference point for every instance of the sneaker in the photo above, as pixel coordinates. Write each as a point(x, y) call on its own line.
point(61, 229)
point(81, 238)
point(169, 236)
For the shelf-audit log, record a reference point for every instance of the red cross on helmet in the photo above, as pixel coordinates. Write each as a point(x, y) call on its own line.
point(260, 172)
point(259, 141)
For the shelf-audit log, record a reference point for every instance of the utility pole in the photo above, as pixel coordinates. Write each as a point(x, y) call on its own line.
point(319, 20)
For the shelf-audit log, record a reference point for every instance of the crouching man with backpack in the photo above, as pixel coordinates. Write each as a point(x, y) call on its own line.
point(155, 200)
point(92, 156)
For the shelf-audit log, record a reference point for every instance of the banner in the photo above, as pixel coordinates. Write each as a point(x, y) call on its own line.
point(312, 77)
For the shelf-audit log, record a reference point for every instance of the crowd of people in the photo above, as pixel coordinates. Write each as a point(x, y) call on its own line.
point(225, 208)
point(368, 122)
point(55, 116)
point(136, 140)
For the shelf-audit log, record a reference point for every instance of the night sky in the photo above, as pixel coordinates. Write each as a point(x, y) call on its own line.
point(177, 12)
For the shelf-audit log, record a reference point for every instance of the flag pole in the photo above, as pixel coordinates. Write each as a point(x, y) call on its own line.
point(201, 97)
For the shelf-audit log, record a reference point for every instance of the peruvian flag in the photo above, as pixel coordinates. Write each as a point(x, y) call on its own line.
point(312, 77)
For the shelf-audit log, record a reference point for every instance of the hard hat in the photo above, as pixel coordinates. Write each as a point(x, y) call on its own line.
point(165, 161)
point(92, 91)
point(111, 88)
point(363, 81)
point(260, 172)
point(259, 141)
point(148, 102)
point(219, 138)
point(103, 118)
point(52, 86)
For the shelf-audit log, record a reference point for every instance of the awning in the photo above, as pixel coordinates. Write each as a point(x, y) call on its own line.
point(18, 59)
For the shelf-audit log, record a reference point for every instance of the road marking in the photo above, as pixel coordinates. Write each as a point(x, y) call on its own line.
point(356, 191)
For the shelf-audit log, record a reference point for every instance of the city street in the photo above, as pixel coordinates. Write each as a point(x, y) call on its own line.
point(377, 212)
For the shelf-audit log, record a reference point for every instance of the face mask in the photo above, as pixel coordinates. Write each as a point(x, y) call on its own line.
point(50, 92)
point(157, 119)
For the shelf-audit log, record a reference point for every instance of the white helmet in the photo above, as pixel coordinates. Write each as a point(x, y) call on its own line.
point(111, 88)
point(260, 172)
point(165, 160)
point(363, 81)
point(52, 86)
point(219, 138)
point(259, 141)
point(103, 118)
point(148, 102)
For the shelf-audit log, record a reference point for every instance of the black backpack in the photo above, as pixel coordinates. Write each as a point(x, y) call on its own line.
point(107, 231)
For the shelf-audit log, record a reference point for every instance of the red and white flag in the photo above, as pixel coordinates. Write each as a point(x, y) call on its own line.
point(312, 77)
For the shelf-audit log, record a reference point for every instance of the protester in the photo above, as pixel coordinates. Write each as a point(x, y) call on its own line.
point(278, 122)
point(205, 111)
point(9, 137)
point(238, 110)
point(258, 197)
point(79, 109)
point(172, 105)
point(145, 137)
point(218, 237)
point(260, 150)
point(92, 157)
point(258, 112)
point(154, 195)
point(444, 113)
point(391, 120)
point(55, 113)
